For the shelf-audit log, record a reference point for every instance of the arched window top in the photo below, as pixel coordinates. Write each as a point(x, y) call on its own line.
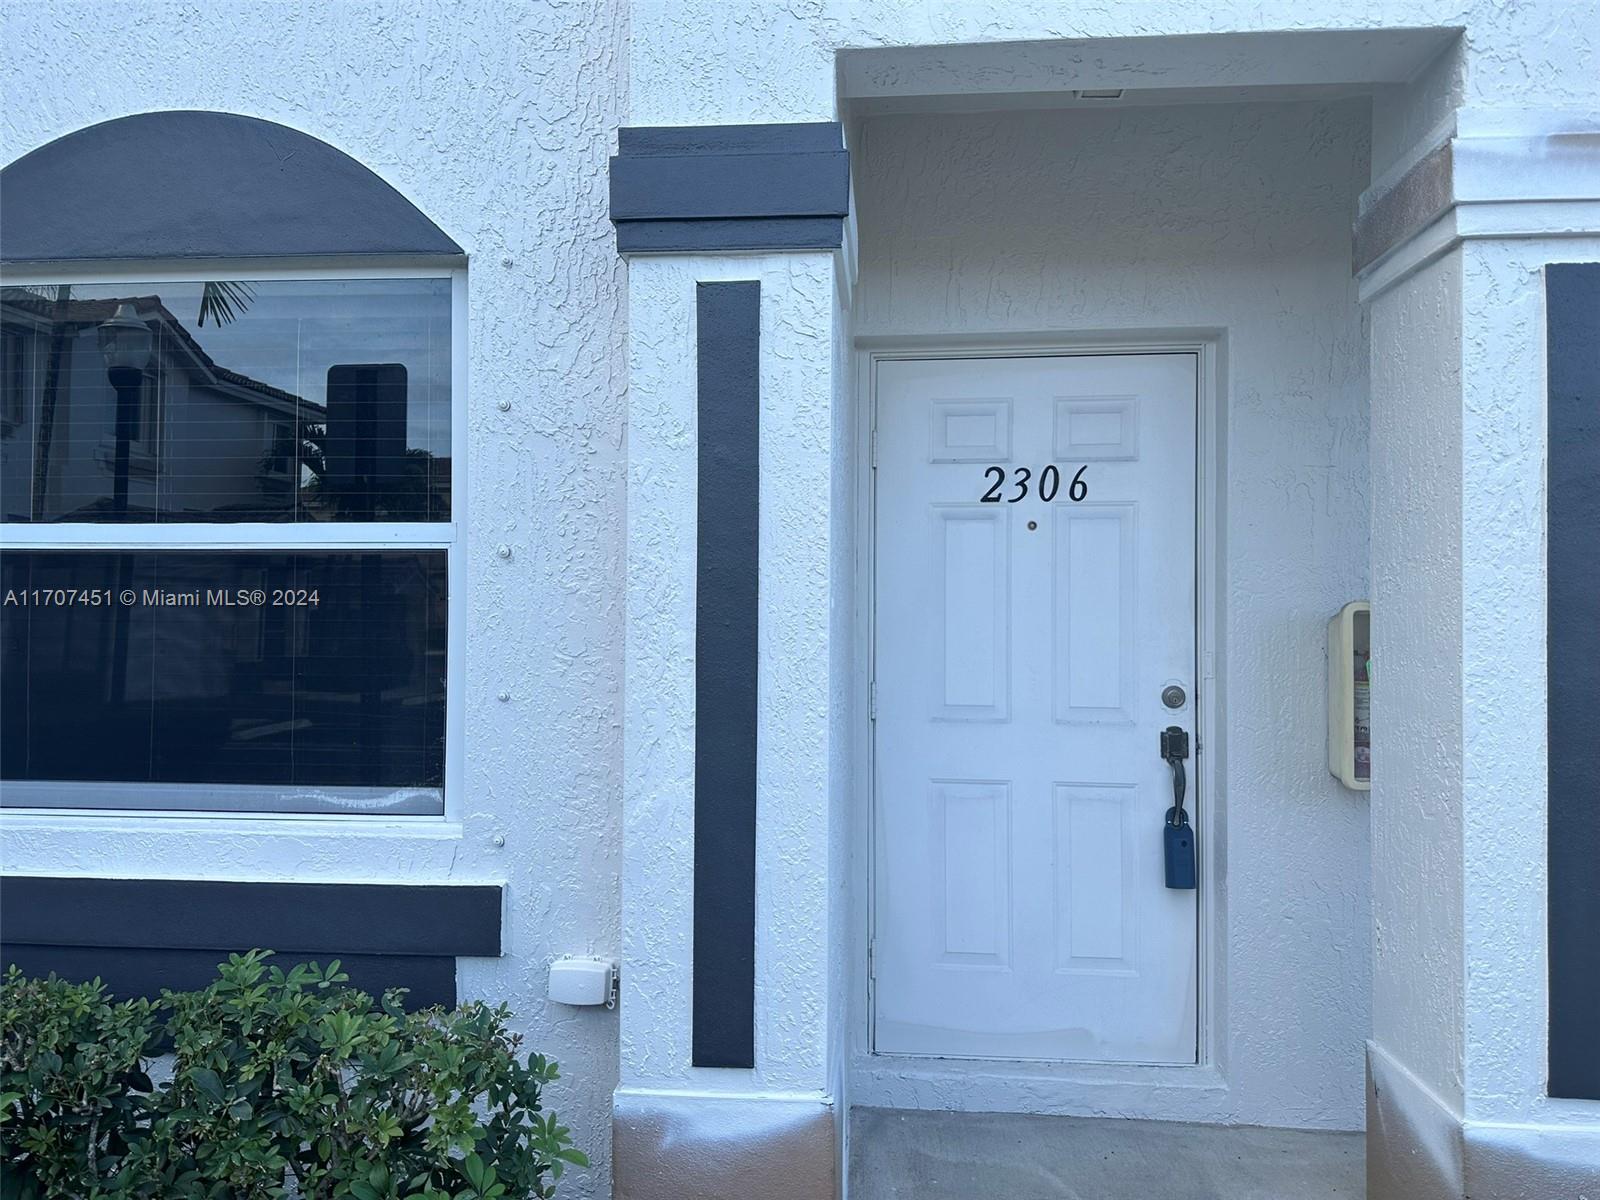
point(192, 184)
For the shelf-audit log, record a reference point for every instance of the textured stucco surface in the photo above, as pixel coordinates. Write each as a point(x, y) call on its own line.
point(1504, 759)
point(698, 60)
point(1223, 217)
point(1458, 1062)
point(794, 881)
point(1416, 705)
point(496, 120)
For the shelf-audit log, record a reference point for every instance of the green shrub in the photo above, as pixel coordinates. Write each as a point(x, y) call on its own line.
point(282, 1084)
point(74, 1095)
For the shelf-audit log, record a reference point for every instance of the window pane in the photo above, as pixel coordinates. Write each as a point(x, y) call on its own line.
point(272, 400)
point(296, 671)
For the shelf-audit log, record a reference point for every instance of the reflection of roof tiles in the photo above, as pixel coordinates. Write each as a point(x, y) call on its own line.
point(93, 312)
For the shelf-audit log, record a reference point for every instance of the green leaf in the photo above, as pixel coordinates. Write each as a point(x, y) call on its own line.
point(207, 1083)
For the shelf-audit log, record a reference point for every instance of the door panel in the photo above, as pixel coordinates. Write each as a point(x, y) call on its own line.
point(974, 613)
point(1092, 572)
point(1021, 649)
point(972, 821)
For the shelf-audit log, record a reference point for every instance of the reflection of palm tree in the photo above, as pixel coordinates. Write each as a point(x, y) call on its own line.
point(222, 300)
point(411, 494)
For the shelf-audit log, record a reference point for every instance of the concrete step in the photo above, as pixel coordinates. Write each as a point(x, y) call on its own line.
point(903, 1154)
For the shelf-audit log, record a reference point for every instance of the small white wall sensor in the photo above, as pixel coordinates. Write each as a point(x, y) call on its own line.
point(583, 981)
point(1350, 695)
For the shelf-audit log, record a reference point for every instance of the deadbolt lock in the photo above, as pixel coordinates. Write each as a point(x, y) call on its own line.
point(1174, 696)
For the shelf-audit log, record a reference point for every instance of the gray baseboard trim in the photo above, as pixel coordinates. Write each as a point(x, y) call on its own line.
point(694, 1146)
point(1414, 1143)
point(1520, 1162)
point(1418, 1149)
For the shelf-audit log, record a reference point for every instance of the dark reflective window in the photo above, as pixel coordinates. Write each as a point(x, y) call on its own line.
point(271, 400)
point(299, 670)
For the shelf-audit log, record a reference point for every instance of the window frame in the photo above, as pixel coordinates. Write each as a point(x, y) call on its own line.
point(449, 536)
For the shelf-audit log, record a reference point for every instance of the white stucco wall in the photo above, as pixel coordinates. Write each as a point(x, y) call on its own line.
point(1407, 119)
point(1459, 1061)
point(794, 890)
point(1504, 757)
point(699, 60)
point(1232, 217)
point(497, 122)
point(1419, 966)
point(497, 119)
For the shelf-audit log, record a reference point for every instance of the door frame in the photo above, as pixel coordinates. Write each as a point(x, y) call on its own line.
point(1082, 1082)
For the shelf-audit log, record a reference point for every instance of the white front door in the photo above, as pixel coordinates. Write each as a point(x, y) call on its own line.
point(1035, 585)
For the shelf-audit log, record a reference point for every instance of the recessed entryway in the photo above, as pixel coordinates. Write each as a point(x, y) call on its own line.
point(1035, 632)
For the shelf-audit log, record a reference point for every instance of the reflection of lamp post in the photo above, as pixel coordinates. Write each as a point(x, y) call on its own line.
point(125, 343)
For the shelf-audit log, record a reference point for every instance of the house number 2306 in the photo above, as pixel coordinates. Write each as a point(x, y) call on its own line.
point(1049, 483)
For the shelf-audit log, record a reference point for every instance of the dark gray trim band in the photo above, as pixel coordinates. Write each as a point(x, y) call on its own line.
point(803, 137)
point(757, 233)
point(191, 184)
point(1572, 306)
point(1418, 198)
point(728, 337)
point(428, 980)
point(206, 914)
point(730, 187)
point(144, 934)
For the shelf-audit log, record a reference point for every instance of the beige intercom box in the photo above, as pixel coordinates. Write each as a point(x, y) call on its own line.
point(1349, 695)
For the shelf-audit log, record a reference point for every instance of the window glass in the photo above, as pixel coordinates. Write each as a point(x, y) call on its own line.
point(267, 400)
point(290, 680)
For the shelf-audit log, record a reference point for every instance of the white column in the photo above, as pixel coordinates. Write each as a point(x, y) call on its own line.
point(769, 1130)
point(1457, 1062)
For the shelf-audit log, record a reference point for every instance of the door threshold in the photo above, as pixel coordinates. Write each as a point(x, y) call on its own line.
point(1196, 1092)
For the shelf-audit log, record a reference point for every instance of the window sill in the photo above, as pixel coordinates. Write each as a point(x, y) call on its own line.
point(148, 822)
point(222, 800)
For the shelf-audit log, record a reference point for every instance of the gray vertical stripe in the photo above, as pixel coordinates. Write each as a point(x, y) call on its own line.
point(729, 343)
point(1572, 297)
